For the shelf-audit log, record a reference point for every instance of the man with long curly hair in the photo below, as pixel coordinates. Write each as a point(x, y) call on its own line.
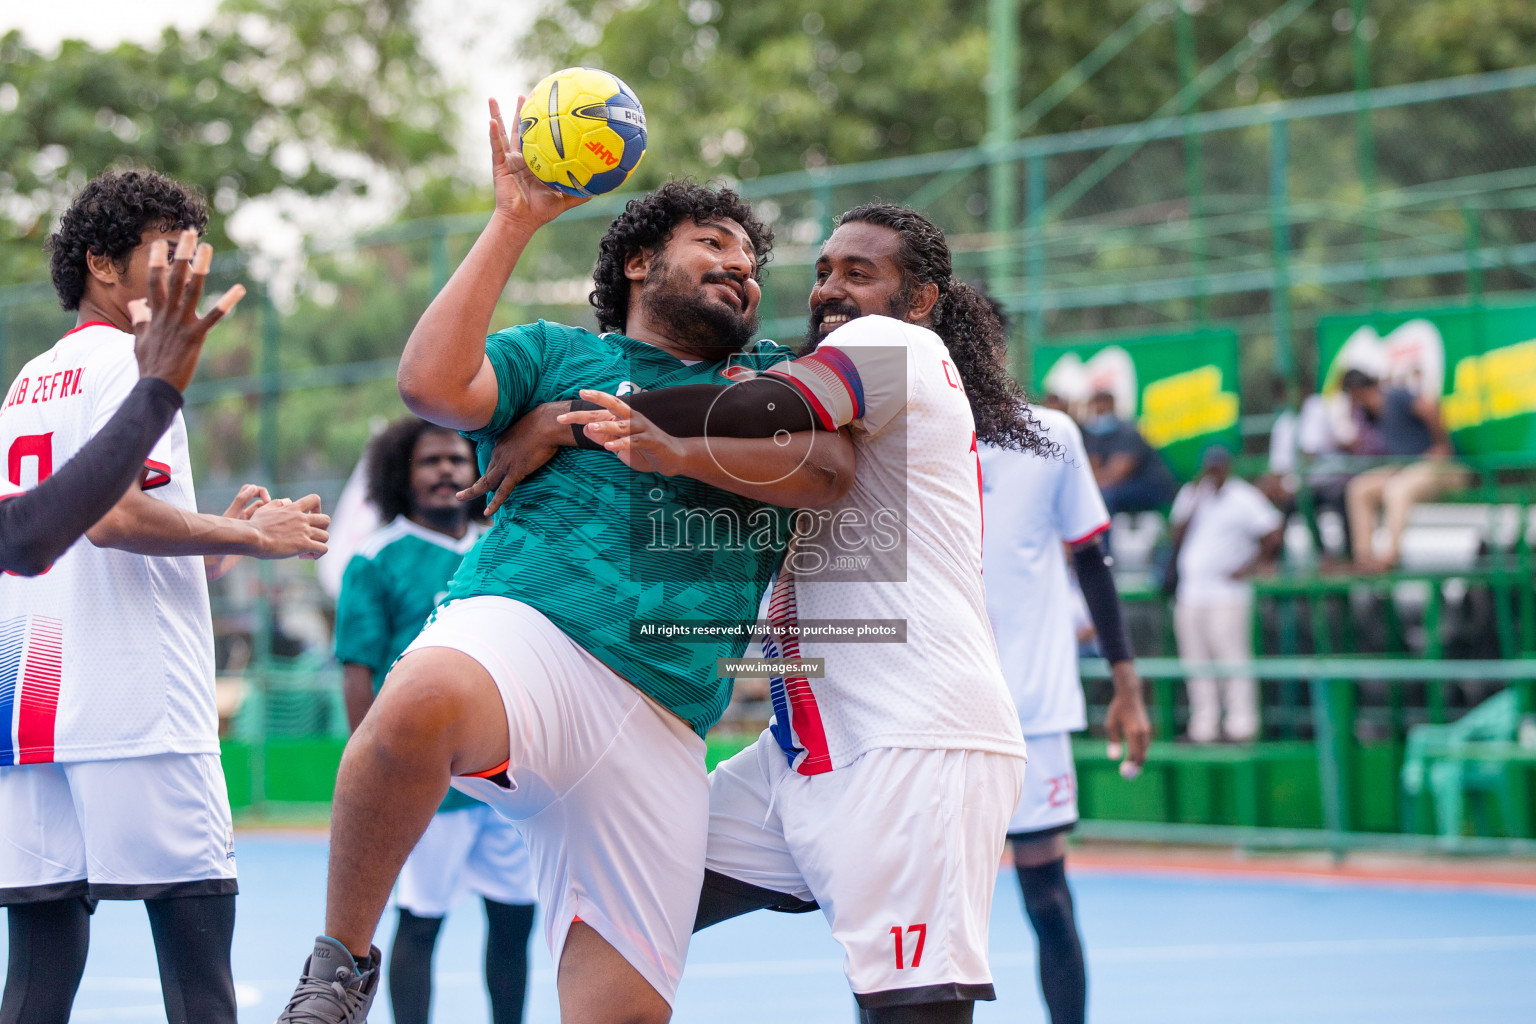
point(391, 585)
point(528, 684)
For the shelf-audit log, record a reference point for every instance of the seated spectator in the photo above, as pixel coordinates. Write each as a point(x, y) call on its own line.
point(1309, 449)
point(1131, 475)
point(1395, 422)
point(1223, 531)
point(1325, 433)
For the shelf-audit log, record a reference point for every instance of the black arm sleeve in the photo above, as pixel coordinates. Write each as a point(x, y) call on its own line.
point(39, 526)
point(1103, 601)
point(760, 407)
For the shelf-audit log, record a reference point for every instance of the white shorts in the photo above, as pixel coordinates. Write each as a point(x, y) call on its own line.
point(468, 851)
point(900, 849)
point(1049, 803)
point(132, 829)
point(607, 788)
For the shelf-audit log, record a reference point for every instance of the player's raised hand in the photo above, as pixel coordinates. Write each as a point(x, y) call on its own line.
point(522, 448)
point(168, 333)
point(289, 528)
point(1125, 720)
point(520, 196)
point(639, 443)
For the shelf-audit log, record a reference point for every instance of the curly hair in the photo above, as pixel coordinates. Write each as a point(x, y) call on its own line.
point(968, 324)
point(389, 467)
point(109, 218)
point(648, 222)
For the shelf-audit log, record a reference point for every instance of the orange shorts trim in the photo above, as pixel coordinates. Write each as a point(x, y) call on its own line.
point(489, 771)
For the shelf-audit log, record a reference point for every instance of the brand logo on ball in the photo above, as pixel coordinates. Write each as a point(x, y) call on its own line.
point(602, 153)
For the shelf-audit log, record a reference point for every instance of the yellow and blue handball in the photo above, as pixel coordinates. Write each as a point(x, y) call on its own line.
point(582, 131)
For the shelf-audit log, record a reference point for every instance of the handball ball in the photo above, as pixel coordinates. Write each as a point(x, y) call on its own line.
point(582, 131)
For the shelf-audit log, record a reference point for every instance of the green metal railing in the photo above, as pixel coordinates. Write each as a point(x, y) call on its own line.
point(1331, 690)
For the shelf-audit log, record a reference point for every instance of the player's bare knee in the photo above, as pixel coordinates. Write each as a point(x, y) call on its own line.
point(417, 707)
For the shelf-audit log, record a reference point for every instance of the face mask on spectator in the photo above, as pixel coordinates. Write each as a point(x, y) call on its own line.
point(1101, 424)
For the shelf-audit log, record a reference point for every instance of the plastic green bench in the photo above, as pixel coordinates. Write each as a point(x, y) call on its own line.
point(1444, 759)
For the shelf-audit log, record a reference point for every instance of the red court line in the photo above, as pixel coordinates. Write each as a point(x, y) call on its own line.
point(1500, 875)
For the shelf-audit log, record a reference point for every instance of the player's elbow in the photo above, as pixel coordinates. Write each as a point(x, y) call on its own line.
point(829, 471)
point(418, 391)
point(111, 530)
point(26, 556)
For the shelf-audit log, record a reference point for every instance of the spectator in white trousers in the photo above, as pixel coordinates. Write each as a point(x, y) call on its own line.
point(1224, 530)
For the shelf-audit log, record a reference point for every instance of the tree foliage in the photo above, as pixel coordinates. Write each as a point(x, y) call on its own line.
point(313, 97)
point(742, 88)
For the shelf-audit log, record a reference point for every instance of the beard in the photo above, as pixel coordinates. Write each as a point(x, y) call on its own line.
point(896, 307)
point(709, 329)
point(445, 519)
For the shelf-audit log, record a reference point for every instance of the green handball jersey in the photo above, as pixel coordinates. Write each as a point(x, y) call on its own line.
point(389, 588)
point(600, 549)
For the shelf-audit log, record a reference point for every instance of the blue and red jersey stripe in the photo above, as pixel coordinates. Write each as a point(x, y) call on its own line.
point(797, 722)
point(31, 670)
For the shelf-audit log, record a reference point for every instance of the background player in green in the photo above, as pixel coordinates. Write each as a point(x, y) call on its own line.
point(528, 675)
point(390, 587)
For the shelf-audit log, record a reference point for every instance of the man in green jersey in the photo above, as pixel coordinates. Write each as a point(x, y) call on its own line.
point(530, 675)
point(390, 587)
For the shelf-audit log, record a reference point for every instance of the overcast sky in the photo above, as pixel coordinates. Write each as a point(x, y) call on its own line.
point(471, 40)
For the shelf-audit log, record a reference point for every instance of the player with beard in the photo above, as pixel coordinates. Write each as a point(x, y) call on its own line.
point(883, 790)
point(390, 587)
point(527, 683)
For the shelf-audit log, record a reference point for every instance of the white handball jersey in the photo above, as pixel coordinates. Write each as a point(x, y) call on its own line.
point(107, 654)
point(904, 544)
point(1036, 505)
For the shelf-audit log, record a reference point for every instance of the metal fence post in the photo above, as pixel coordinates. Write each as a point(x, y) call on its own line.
point(1365, 142)
point(1280, 235)
point(271, 333)
point(437, 258)
point(1194, 160)
point(1034, 265)
point(1331, 731)
point(1002, 127)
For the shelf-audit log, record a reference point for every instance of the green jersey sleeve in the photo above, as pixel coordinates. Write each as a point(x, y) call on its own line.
point(517, 357)
point(362, 617)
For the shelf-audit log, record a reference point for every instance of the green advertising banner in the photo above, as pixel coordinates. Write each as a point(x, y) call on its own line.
point(1481, 362)
point(1181, 389)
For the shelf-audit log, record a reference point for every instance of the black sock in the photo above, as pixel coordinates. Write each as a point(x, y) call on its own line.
point(507, 927)
point(410, 967)
point(1048, 902)
point(192, 939)
point(48, 944)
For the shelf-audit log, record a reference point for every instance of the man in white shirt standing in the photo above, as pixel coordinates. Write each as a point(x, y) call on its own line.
point(1035, 507)
point(110, 782)
point(1223, 531)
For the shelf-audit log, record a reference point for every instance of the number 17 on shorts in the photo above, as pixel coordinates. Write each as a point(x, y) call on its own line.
point(909, 951)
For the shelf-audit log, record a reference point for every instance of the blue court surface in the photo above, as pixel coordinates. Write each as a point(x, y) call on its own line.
point(1162, 947)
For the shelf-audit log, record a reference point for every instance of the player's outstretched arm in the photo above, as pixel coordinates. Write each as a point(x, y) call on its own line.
point(444, 375)
point(278, 529)
point(39, 526)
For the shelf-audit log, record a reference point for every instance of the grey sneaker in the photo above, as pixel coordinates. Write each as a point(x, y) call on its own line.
point(332, 990)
